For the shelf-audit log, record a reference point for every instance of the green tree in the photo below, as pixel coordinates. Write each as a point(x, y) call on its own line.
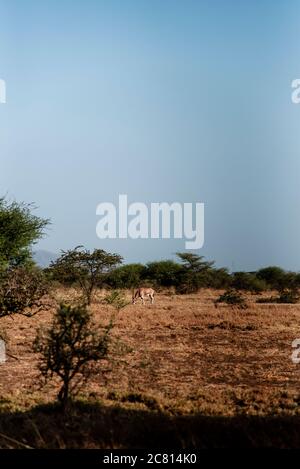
point(195, 272)
point(193, 262)
point(19, 230)
point(69, 348)
point(274, 276)
point(279, 279)
point(163, 273)
point(219, 278)
point(126, 276)
point(87, 269)
point(248, 282)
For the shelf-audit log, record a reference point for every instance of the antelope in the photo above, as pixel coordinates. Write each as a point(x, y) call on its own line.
point(142, 293)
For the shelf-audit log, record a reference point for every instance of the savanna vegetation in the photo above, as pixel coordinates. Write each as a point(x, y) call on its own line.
point(207, 365)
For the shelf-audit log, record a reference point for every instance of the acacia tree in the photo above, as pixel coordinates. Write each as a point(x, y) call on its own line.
point(19, 230)
point(69, 348)
point(195, 272)
point(87, 269)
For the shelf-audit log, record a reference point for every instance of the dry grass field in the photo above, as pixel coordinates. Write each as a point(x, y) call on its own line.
point(185, 374)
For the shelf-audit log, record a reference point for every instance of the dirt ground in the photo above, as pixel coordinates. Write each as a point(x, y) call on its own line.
point(182, 373)
point(181, 351)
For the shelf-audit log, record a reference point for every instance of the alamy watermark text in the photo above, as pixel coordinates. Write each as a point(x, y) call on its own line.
point(2, 91)
point(158, 221)
point(296, 91)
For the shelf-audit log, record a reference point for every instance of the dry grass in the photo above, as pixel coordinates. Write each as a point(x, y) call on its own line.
point(185, 358)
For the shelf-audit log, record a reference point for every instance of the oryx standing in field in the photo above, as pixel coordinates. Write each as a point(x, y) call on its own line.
point(142, 293)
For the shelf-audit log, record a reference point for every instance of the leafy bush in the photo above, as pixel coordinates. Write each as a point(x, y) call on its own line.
point(69, 348)
point(248, 282)
point(219, 278)
point(22, 291)
point(287, 295)
point(126, 276)
point(87, 269)
point(19, 229)
point(233, 298)
point(274, 276)
point(286, 283)
point(116, 299)
point(163, 273)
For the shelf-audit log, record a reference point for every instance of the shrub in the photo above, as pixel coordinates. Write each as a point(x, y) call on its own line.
point(273, 276)
point(286, 283)
point(219, 278)
point(69, 348)
point(287, 295)
point(116, 299)
point(248, 282)
point(22, 291)
point(126, 276)
point(19, 230)
point(163, 273)
point(233, 298)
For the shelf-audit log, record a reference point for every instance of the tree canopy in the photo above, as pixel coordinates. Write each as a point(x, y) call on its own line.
point(19, 230)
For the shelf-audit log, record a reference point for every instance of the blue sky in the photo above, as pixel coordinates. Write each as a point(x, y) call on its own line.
point(161, 100)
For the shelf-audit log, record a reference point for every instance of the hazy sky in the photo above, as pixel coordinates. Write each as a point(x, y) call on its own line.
point(161, 100)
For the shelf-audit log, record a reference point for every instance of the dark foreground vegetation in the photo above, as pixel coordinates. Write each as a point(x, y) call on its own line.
point(90, 425)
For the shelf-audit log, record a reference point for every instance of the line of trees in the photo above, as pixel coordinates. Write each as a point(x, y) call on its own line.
point(192, 273)
point(20, 230)
point(187, 275)
point(98, 269)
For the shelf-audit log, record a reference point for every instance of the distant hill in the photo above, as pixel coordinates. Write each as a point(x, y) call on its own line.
point(44, 258)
